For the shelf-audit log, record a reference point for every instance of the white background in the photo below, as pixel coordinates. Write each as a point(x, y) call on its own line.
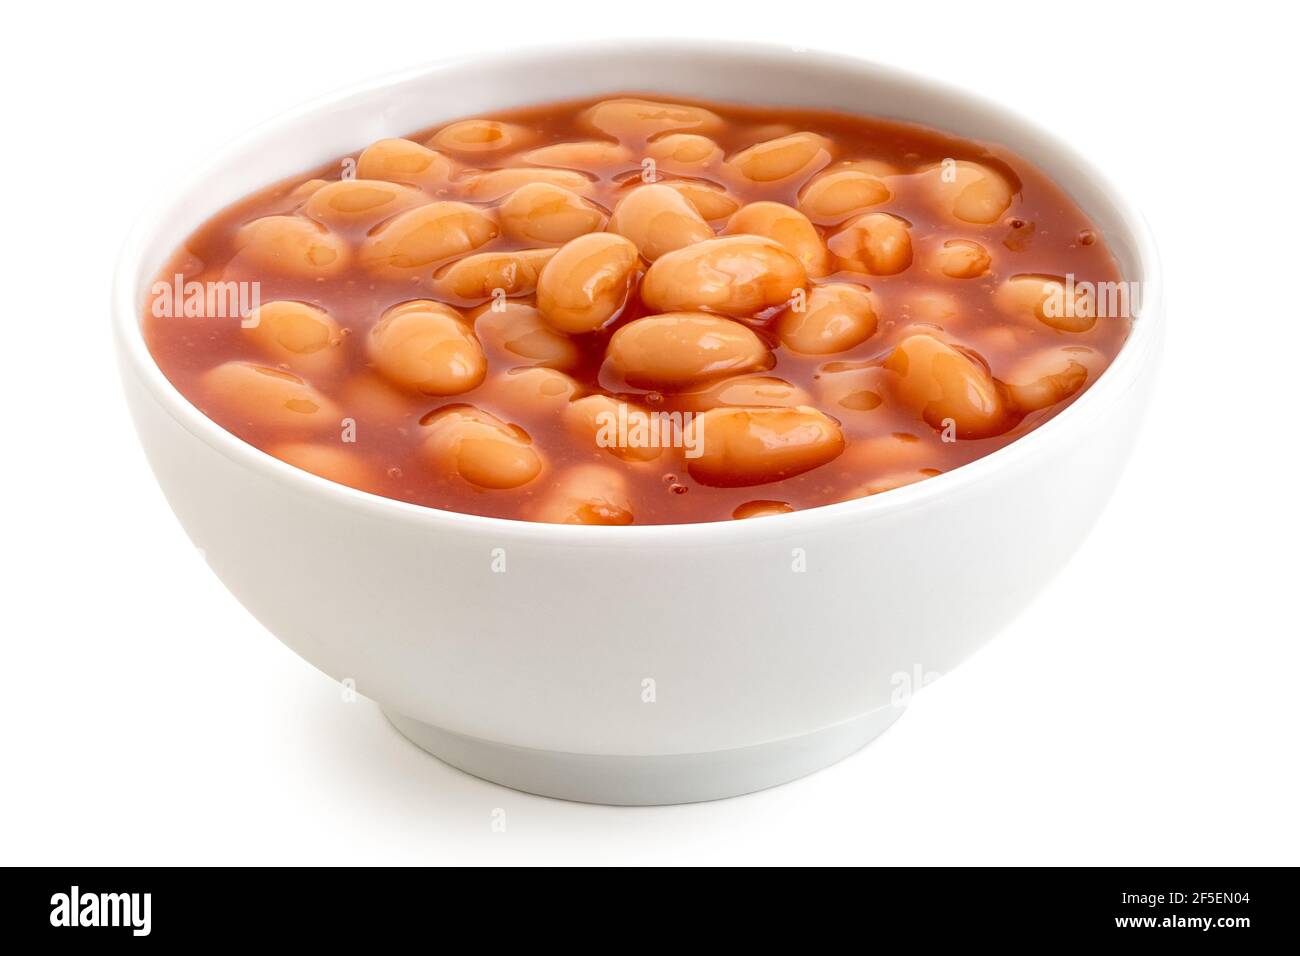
point(1144, 710)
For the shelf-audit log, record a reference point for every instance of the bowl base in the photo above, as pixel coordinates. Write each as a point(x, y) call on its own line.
point(647, 780)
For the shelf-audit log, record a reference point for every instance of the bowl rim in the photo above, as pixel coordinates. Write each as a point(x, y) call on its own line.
point(1110, 386)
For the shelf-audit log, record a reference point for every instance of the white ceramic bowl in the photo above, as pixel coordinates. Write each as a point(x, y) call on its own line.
point(654, 664)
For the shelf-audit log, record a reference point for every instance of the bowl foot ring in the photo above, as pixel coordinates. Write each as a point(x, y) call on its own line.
point(647, 780)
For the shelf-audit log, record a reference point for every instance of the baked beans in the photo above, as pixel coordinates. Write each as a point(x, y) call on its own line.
point(639, 309)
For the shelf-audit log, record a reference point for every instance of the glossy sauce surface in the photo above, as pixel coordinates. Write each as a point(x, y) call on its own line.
point(892, 332)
